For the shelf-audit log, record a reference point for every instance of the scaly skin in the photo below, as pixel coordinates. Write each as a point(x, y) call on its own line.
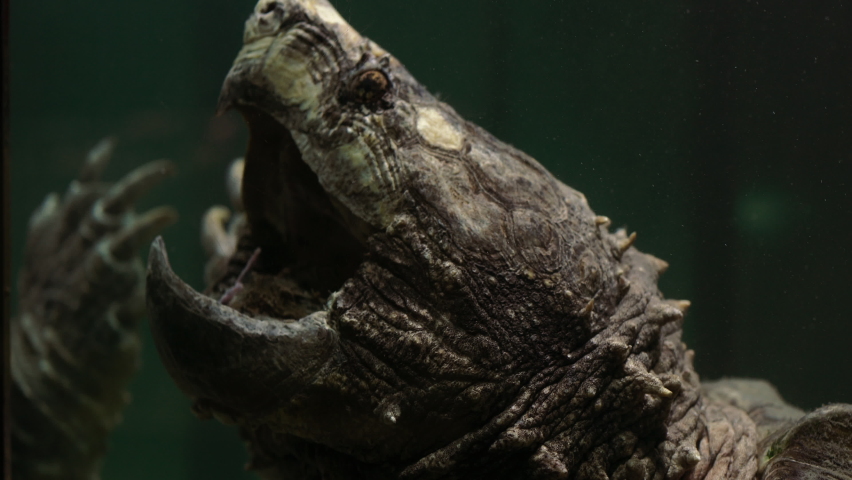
point(75, 340)
point(429, 301)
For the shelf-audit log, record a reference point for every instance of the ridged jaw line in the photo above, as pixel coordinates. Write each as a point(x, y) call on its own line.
point(232, 362)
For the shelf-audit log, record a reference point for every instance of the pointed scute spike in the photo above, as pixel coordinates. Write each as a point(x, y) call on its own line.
point(626, 243)
point(659, 265)
point(661, 313)
point(649, 382)
point(587, 310)
point(652, 385)
point(602, 220)
point(618, 347)
point(623, 284)
point(684, 459)
point(682, 305)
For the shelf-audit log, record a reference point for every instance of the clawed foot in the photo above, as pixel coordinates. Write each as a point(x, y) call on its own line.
point(81, 254)
point(75, 340)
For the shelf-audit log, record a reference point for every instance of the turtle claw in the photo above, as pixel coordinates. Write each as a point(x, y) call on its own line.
point(109, 213)
point(45, 211)
point(215, 239)
point(97, 160)
point(220, 228)
point(135, 184)
point(141, 231)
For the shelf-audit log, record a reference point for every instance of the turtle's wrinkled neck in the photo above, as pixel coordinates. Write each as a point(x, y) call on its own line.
point(627, 405)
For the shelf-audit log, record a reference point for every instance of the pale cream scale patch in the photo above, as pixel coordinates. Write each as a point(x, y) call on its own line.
point(288, 72)
point(330, 16)
point(435, 129)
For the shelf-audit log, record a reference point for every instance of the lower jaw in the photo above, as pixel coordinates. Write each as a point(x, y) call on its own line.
point(233, 362)
point(273, 331)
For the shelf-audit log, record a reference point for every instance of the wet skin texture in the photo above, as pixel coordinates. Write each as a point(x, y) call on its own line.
point(429, 302)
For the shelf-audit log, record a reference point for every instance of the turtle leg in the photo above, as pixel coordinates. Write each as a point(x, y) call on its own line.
point(75, 339)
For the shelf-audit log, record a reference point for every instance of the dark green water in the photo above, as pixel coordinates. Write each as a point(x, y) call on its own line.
point(722, 135)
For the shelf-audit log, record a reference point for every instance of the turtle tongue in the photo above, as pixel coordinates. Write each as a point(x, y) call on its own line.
point(219, 356)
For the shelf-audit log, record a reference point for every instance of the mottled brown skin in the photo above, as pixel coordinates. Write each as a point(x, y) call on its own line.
point(430, 302)
point(475, 318)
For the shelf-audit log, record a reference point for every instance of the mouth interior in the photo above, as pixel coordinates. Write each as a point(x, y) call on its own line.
point(310, 243)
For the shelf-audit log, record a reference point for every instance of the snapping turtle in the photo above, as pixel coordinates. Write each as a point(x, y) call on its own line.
point(405, 296)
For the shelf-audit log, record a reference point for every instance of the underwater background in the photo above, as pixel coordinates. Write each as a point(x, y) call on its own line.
point(718, 130)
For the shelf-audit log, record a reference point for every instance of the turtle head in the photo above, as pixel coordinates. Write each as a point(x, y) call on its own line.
point(420, 283)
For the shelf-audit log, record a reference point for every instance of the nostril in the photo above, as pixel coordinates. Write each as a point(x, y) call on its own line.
point(269, 7)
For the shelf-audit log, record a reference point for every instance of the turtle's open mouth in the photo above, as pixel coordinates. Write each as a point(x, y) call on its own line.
point(309, 242)
point(249, 354)
point(256, 349)
point(291, 215)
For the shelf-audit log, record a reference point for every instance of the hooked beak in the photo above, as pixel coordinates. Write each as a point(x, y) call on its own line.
point(231, 361)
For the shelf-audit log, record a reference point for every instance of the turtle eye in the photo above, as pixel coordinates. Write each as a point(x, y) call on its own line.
point(370, 86)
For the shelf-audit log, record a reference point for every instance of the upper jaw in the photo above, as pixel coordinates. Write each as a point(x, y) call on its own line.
point(228, 356)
